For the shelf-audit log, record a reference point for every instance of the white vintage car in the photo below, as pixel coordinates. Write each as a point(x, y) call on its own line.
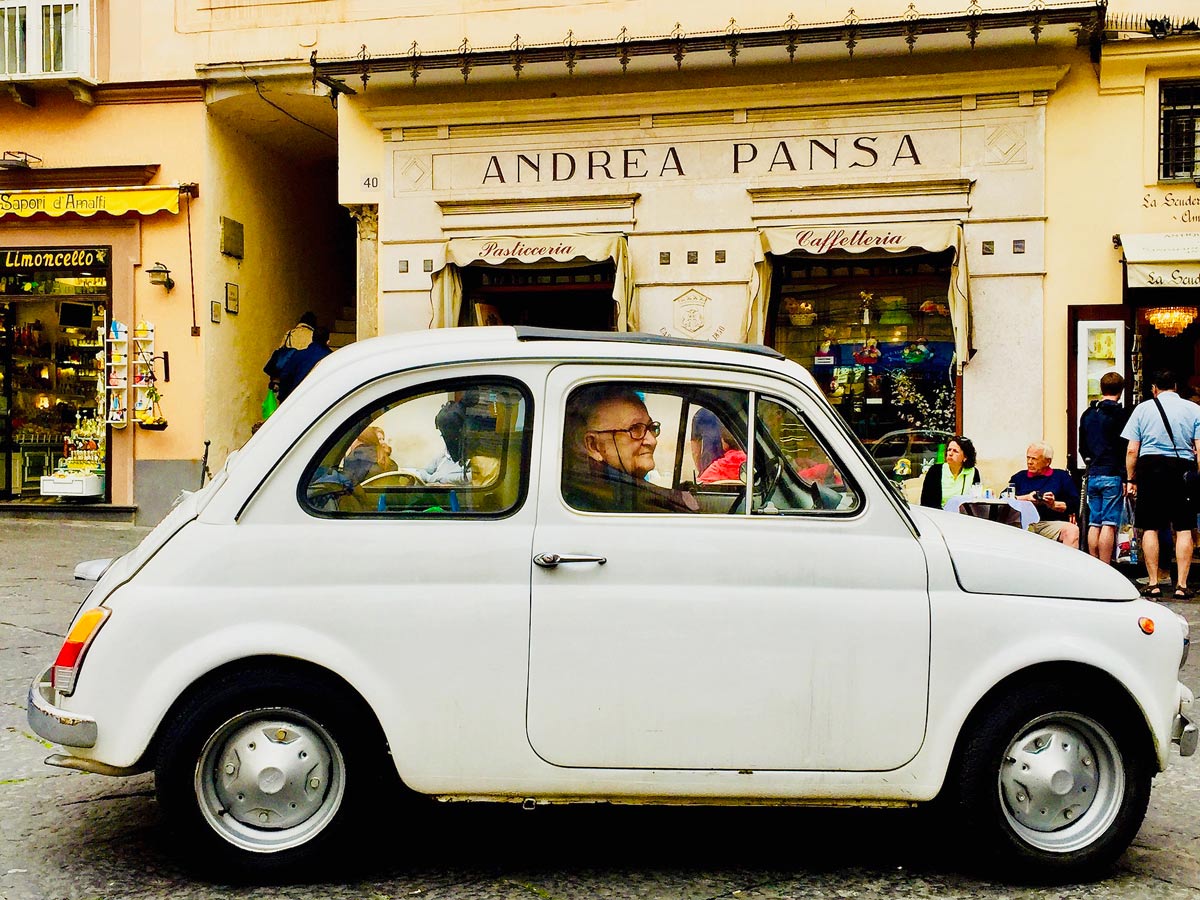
point(547, 567)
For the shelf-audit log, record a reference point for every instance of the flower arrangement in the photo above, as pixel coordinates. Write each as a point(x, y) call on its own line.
point(921, 406)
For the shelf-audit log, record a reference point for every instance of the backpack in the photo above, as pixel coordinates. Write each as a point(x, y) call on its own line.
point(279, 359)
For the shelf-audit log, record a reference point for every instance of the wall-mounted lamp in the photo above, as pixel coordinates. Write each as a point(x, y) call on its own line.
point(160, 274)
point(17, 159)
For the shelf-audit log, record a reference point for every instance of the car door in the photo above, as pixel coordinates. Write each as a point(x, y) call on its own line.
point(395, 537)
point(774, 634)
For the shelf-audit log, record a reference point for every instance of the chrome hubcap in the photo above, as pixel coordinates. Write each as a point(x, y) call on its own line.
point(1049, 778)
point(270, 779)
point(1061, 782)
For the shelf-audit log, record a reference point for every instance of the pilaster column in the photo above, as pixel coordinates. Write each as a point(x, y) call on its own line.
point(366, 215)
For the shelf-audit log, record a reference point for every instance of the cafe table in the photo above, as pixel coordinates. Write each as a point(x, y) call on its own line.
point(1008, 510)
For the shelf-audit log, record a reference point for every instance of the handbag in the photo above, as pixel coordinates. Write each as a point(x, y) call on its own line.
point(270, 403)
point(1191, 477)
point(1126, 546)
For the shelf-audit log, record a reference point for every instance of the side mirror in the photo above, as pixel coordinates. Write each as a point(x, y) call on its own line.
point(92, 569)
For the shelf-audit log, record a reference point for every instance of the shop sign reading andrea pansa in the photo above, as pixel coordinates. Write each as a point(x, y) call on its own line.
point(31, 258)
point(885, 153)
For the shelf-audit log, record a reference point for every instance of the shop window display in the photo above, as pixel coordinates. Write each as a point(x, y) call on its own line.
point(875, 333)
point(51, 365)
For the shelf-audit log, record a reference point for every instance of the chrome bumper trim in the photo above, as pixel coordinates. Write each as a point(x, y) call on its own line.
point(56, 725)
point(1183, 732)
point(91, 765)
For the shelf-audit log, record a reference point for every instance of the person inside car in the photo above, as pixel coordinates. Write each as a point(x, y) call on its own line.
point(369, 455)
point(609, 451)
point(715, 451)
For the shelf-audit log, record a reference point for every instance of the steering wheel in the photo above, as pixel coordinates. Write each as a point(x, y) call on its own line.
point(770, 478)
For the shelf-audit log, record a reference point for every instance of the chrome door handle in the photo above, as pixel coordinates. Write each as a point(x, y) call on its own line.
point(551, 560)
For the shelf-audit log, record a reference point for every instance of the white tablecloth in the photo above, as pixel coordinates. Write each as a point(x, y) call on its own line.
point(1028, 511)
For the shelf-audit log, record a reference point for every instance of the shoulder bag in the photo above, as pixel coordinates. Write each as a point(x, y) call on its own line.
point(1191, 477)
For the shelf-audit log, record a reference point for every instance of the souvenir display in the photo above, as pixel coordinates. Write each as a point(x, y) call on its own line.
point(868, 353)
point(916, 353)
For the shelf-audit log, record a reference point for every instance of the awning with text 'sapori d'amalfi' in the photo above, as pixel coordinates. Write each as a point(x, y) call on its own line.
point(115, 201)
point(1170, 259)
point(876, 239)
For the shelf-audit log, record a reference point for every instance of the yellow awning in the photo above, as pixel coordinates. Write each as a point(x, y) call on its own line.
point(115, 201)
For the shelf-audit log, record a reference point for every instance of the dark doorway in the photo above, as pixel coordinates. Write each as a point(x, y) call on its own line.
point(578, 297)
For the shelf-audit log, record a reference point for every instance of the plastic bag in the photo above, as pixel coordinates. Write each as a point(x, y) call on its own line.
point(1126, 549)
point(270, 404)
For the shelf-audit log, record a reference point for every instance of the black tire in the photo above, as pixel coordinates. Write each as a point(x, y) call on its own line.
point(261, 773)
point(1050, 783)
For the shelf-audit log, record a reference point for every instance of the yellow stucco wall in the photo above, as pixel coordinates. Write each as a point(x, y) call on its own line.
point(292, 252)
point(159, 40)
point(1101, 180)
point(65, 133)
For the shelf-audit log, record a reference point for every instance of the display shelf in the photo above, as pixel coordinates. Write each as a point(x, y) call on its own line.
point(142, 374)
point(116, 374)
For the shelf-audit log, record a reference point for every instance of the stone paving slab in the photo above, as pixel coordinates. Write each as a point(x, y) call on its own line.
point(70, 836)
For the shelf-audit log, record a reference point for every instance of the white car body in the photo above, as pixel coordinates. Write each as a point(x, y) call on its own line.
point(712, 658)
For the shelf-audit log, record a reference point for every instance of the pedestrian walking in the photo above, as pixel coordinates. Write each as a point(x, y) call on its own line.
point(1103, 450)
point(301, 362)
point(1164, 438)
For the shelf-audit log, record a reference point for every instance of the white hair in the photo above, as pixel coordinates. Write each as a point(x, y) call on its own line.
point(1043, 448)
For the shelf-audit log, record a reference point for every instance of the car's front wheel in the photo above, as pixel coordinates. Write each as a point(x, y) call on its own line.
point(1053, 782)
point(261, 772)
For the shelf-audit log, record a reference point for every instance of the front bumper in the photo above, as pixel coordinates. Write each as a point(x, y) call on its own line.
point(1183, 731)
point(61, 727)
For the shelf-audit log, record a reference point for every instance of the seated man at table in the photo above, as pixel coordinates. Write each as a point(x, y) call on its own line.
point(1050, 490)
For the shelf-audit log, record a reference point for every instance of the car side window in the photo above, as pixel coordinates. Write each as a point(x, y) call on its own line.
point(451, 450)
point(793, 472)
point(654, 448)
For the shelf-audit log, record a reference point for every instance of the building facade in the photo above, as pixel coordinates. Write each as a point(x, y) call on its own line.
point(1124, 252)
point(919, 206)
point(152, 254)
point(870, 199)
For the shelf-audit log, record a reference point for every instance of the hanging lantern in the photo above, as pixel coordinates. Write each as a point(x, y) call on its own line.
point(1171, 320)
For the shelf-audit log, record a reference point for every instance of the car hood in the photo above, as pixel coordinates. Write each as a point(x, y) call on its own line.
point(990, 558)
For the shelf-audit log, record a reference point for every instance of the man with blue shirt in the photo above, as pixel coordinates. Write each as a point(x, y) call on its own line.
point(1164, 438)
point(1053, 493)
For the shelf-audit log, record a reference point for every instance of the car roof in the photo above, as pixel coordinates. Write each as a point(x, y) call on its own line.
point(531, 333)
point(373, 356)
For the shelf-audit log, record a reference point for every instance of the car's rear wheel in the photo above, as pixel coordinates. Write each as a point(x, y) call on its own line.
point(1053, 782)
point(262, 771)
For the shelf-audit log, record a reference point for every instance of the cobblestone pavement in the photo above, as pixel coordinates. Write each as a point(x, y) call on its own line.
point(69, 835)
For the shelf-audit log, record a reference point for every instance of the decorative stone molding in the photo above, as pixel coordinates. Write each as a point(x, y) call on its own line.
point(367, 217)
